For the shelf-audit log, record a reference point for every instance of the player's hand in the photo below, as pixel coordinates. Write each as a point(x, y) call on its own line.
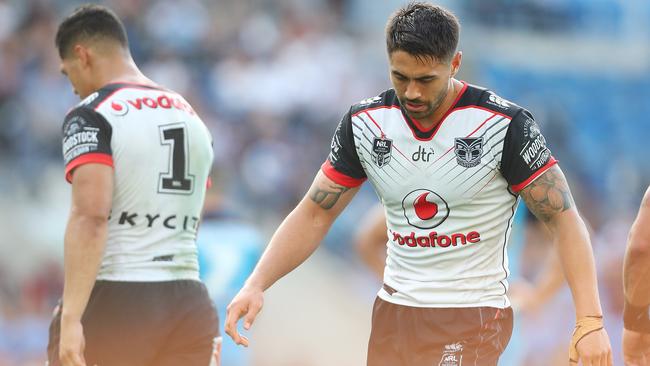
point(247, 304)
point(72, 343)
point(594, 349)
point(636, 348)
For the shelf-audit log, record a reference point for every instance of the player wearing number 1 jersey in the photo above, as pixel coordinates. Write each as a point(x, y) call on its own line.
point(138, 158)
point(450, 162)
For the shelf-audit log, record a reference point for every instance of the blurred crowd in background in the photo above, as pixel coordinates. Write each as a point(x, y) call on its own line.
point(271, 79)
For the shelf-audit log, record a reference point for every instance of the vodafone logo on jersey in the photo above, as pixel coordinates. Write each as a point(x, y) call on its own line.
point(119, 108)
point(164, 101)
point(425, 209)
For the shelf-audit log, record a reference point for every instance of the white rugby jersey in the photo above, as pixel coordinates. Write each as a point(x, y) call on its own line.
point(449, 193)
point(161, 154)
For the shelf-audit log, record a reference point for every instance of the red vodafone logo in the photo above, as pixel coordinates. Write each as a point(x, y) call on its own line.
point(425, 209)
point(119, 108)
point(162, 101)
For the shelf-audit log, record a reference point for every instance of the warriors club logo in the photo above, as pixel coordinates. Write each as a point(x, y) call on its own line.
point(425, 209)
point(468, 151)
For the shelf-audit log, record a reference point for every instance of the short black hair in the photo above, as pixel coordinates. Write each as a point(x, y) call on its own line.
point(89, 22)
point(423, 30)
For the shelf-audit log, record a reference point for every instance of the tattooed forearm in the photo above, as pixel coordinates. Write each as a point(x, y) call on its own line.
point(327, 196)
point(548, 195)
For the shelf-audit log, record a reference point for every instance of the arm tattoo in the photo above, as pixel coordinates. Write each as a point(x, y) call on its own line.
point(326, 197)
point(548, 195)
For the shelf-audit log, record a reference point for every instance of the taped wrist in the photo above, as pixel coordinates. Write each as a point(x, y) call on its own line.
point(584, 326)
point(636, 318)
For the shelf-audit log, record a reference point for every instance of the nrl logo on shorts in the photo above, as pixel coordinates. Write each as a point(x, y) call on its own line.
point(381, 151)
point(468, 151)
point(452, 355)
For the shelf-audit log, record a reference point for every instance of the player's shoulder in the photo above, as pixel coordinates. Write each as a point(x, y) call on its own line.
point(486, 99)
point(119, 99)
point(84, 113)
point(88, 104)
point(385, 100)
point(99, 97)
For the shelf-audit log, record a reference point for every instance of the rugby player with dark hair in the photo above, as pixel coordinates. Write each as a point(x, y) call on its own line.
point(636, 320)
point(450, 162)
point(138, 158)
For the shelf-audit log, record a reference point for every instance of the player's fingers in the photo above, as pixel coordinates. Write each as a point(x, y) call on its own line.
point(253, 310)
point(597, 360)
point(233, 314)
point(238, 338)
point(234, 334)
point(610, 358)
point(587, 361)
point(244, 341)
point(232, 317)
point(604, 360)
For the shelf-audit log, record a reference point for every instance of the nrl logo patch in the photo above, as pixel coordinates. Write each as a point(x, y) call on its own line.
point(468, 151)
point(381, 151)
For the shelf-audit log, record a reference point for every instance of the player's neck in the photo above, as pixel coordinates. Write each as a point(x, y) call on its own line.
point(435, 119)
point(122, 71)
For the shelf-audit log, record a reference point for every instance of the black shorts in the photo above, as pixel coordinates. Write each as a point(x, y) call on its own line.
point(145, 323)
point(410, 336)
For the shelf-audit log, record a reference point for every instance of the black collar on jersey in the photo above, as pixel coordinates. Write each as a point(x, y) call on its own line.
point(109, 89)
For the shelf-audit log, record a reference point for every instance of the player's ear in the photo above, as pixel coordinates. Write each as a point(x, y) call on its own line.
point(81, 53)
point(455, 63)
